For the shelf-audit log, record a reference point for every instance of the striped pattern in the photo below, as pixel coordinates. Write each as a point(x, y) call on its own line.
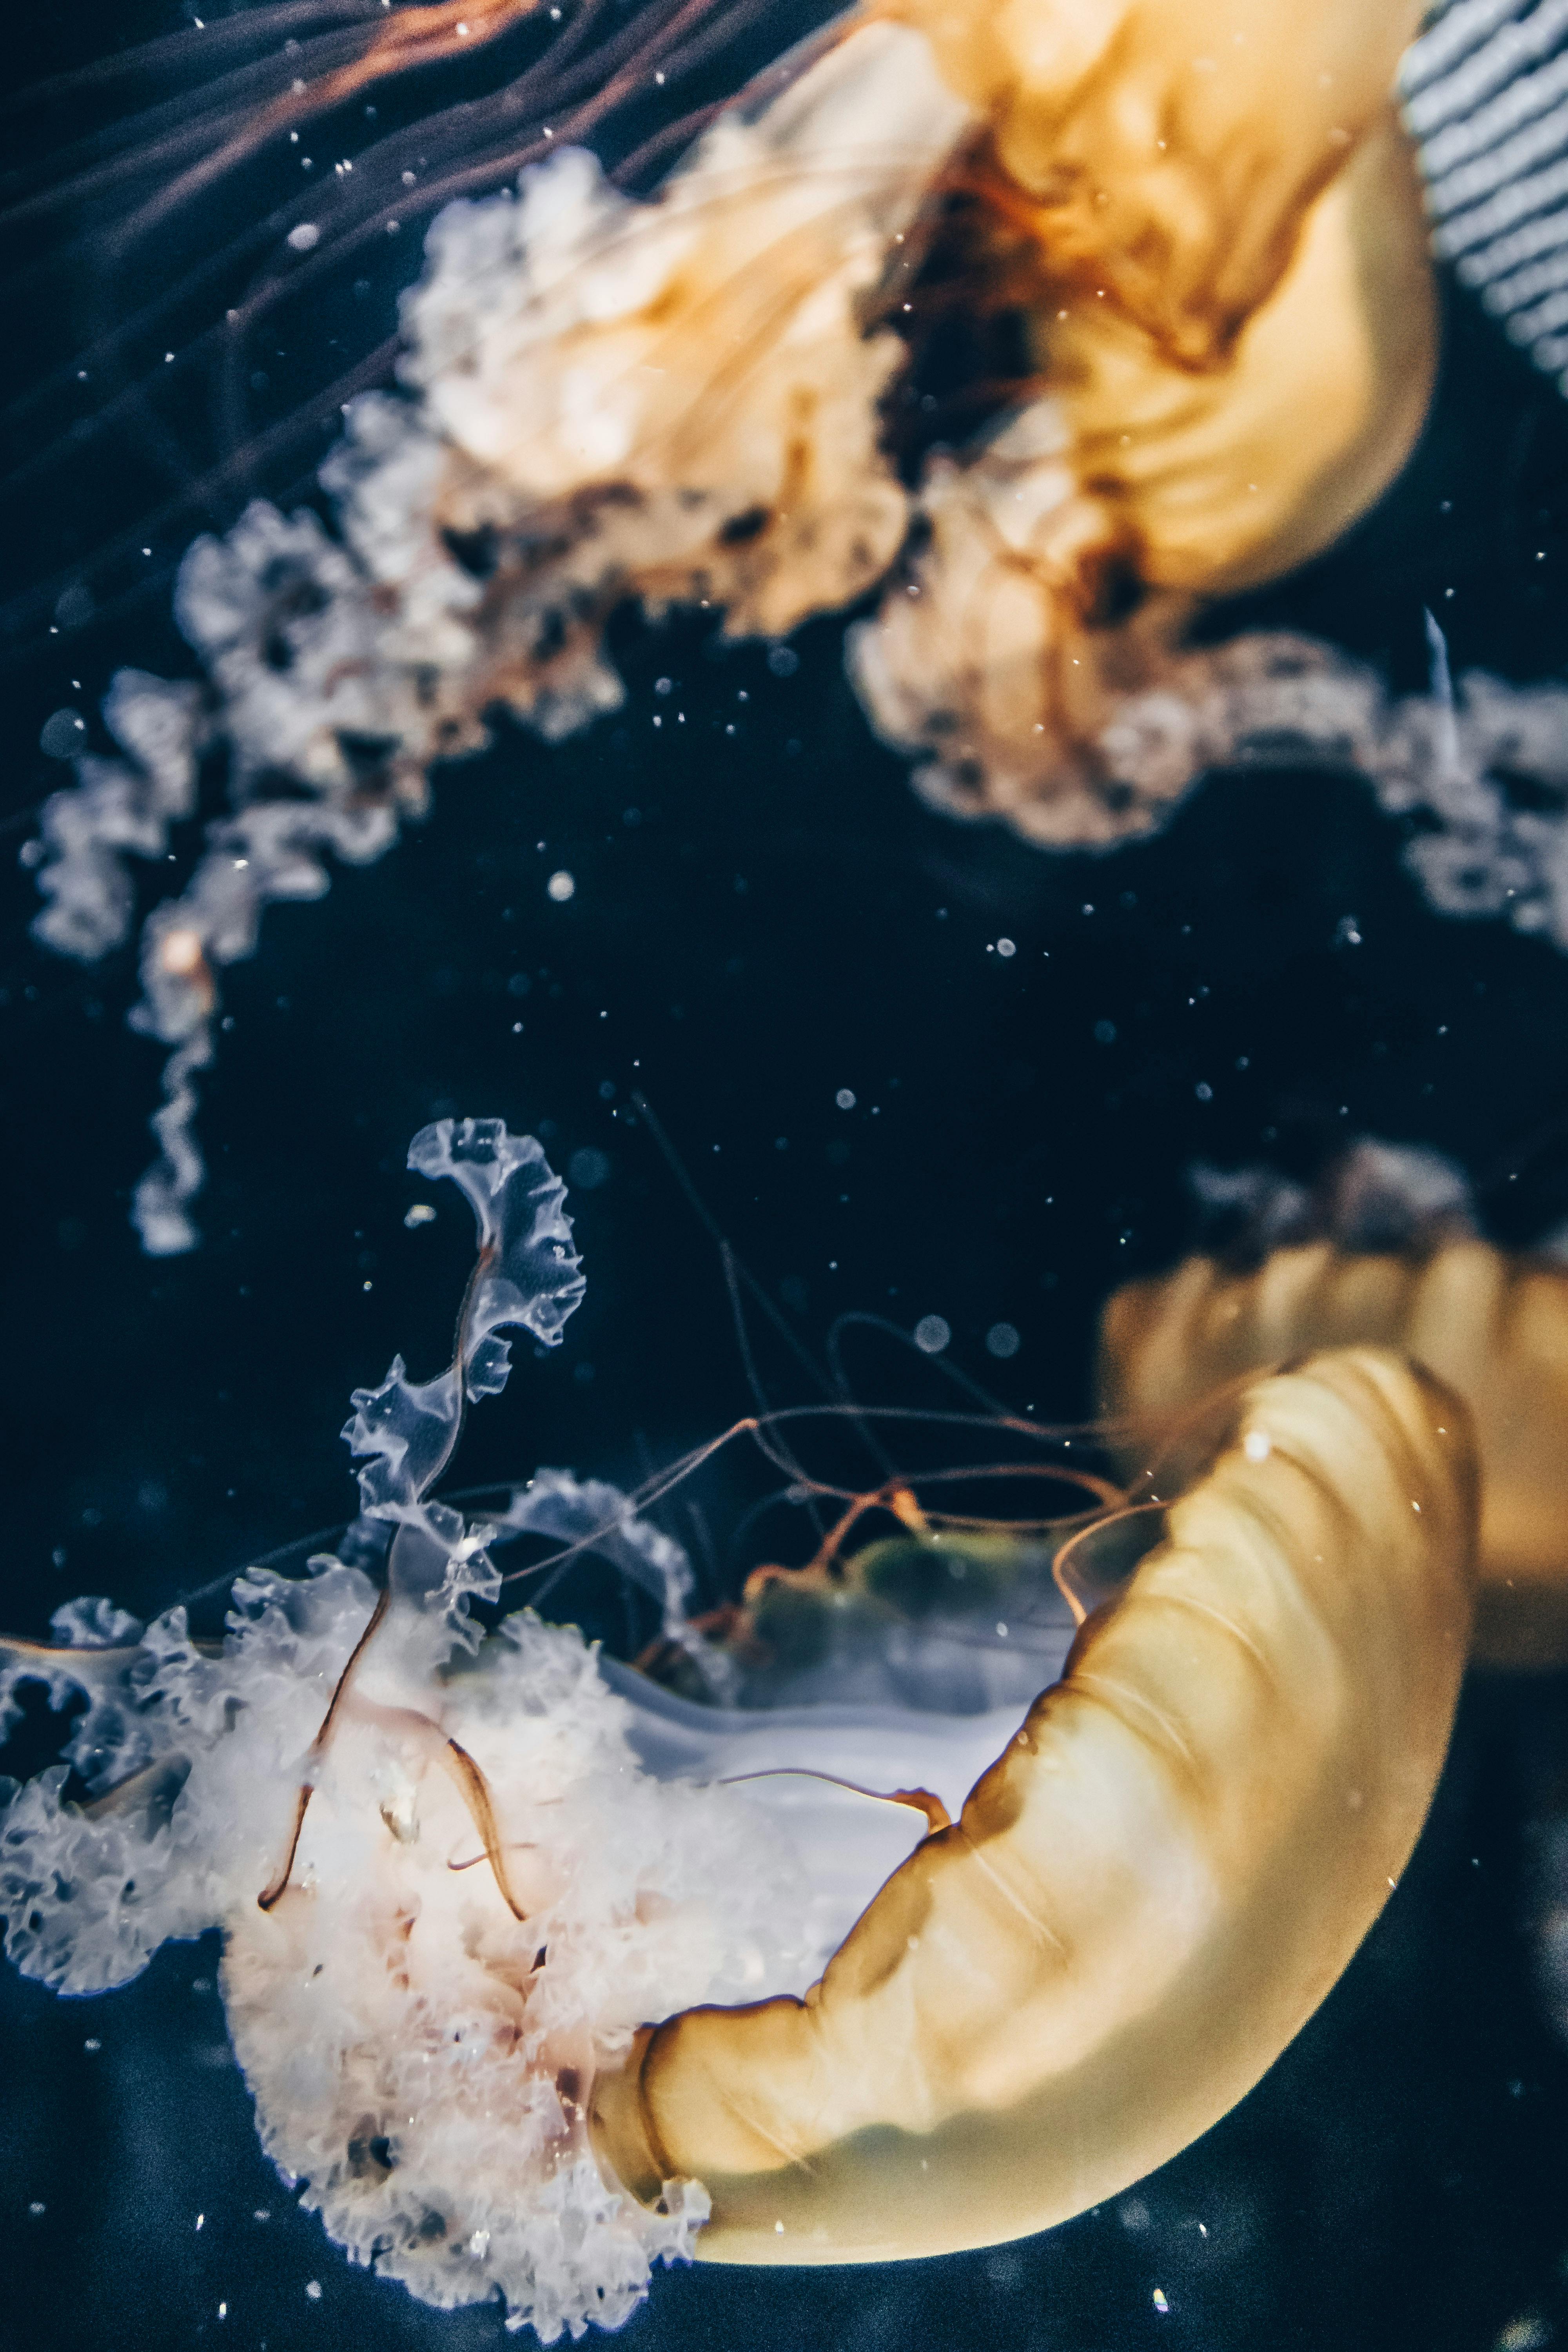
point(1484, 96)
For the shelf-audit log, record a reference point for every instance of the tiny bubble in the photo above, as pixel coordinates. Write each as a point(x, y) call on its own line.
point(588, 1169)
point(1001, 1340)
point(844, 1098)
point(63, 734)
point(560, 886)
point(933, 1333)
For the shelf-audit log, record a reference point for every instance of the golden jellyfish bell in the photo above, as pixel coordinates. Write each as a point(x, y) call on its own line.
point(1233, 320)
point(1493, 1325)
point(1144, 1897)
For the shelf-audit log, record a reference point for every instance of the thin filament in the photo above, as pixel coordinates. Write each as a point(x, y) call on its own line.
point(919, 1801)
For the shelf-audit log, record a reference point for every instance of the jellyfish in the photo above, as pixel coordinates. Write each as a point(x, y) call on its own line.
point(1191, 294)
point(824, 1932)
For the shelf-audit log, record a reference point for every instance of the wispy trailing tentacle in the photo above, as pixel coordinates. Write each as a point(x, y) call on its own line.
point(528, 1275)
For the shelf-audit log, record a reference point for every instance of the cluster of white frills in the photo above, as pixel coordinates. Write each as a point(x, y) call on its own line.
point(419, 2056)
point(678, 403)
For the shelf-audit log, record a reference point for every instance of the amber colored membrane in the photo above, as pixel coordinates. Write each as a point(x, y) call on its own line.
point(1234, 304)
point(1146, 1895)
point(1237, 310)
point(1495, 1327)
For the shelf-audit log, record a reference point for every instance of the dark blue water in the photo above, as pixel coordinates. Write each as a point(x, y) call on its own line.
point(762, 917)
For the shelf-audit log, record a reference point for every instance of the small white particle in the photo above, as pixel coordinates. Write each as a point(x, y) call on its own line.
point(1258, 1446)
point(1159, 2302)
point(933, 1333)
point(313, 2289)
point(200, 2218)
point(421, 1213)
point(844, 1098)
point(560, 886)
point(305, 237)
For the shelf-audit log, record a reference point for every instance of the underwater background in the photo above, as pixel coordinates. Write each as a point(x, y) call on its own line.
point(763, 920)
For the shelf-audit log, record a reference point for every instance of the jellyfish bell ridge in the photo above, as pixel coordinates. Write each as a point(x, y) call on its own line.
point(1146, 1896)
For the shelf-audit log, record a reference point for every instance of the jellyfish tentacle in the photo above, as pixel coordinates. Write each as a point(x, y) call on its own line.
point(917, 1800)
point(276, 1885)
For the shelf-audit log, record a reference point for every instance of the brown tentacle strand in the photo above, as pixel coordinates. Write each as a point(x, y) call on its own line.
point(919, 1801)
point(272, 1892)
